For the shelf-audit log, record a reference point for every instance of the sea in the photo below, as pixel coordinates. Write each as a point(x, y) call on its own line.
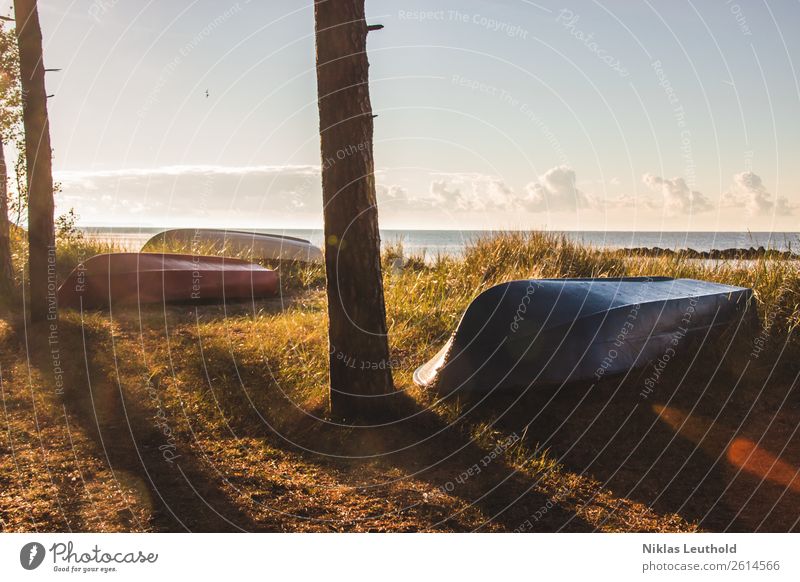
point(452, 242)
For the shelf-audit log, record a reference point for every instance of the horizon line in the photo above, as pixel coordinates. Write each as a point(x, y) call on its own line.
point(320, 228)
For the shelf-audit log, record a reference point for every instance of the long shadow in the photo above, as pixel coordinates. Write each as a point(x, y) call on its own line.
point(638, 447)
point(137, 440)
point(668, 448)
point(419, 443)
point(180, 490)
point(446, 456)
point(42, 399)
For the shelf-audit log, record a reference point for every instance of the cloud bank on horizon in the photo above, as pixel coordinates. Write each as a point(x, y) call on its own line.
point(291, 196)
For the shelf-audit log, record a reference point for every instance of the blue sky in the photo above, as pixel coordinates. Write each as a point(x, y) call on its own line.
point(619, 115)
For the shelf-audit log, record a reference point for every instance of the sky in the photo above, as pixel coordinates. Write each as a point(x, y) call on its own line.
point(571, 115)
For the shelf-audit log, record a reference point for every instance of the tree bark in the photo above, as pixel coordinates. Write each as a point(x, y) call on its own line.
point(38, 154)
point(360, 368)
point(6, 267)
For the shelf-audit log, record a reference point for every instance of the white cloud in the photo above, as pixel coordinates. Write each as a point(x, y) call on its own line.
point(70, 176)
point(446, 194)
point(392, 192)
point(395, 196)
point(748, 191)
point(556, 191)
point(677, 197)
point(471, 192)
point(259, 195)
point(177, 193)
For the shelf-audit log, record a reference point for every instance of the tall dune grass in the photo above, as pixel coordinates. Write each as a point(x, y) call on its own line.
point(426, 296)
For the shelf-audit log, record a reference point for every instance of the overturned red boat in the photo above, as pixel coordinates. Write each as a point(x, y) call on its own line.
point(125, 278)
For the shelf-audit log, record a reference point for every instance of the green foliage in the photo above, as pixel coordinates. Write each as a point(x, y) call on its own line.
point(67, 231)
point(11, 114)
point(10, 93)
point(18, 202)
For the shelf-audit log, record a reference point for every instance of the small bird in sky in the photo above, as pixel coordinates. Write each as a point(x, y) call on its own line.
point(206, 93)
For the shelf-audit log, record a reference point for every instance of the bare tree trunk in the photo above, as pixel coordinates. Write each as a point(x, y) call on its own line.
point(360, 370)
point(41, 236)
point(6, 268)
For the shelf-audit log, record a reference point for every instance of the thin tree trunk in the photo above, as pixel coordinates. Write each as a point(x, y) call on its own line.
point(360, 368)
point(41, 237)
point(6, 267)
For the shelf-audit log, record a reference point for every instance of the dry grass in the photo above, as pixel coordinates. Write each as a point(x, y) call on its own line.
point(237, 394)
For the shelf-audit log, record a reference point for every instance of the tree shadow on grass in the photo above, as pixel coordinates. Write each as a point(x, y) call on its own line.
point(420, 447)
point(48, 500)
point(138, 442)
point(672, 448)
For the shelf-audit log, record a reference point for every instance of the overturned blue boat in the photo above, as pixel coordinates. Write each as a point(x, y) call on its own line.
point(553, 331)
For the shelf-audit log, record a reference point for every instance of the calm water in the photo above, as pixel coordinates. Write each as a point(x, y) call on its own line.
point(433, 242)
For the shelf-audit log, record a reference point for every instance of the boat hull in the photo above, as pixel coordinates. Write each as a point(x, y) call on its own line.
point(553, 331)
point(131, 278)
point(252, 245)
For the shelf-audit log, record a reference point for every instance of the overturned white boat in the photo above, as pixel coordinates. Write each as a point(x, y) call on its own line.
point(238, 243)
point(552, 331)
